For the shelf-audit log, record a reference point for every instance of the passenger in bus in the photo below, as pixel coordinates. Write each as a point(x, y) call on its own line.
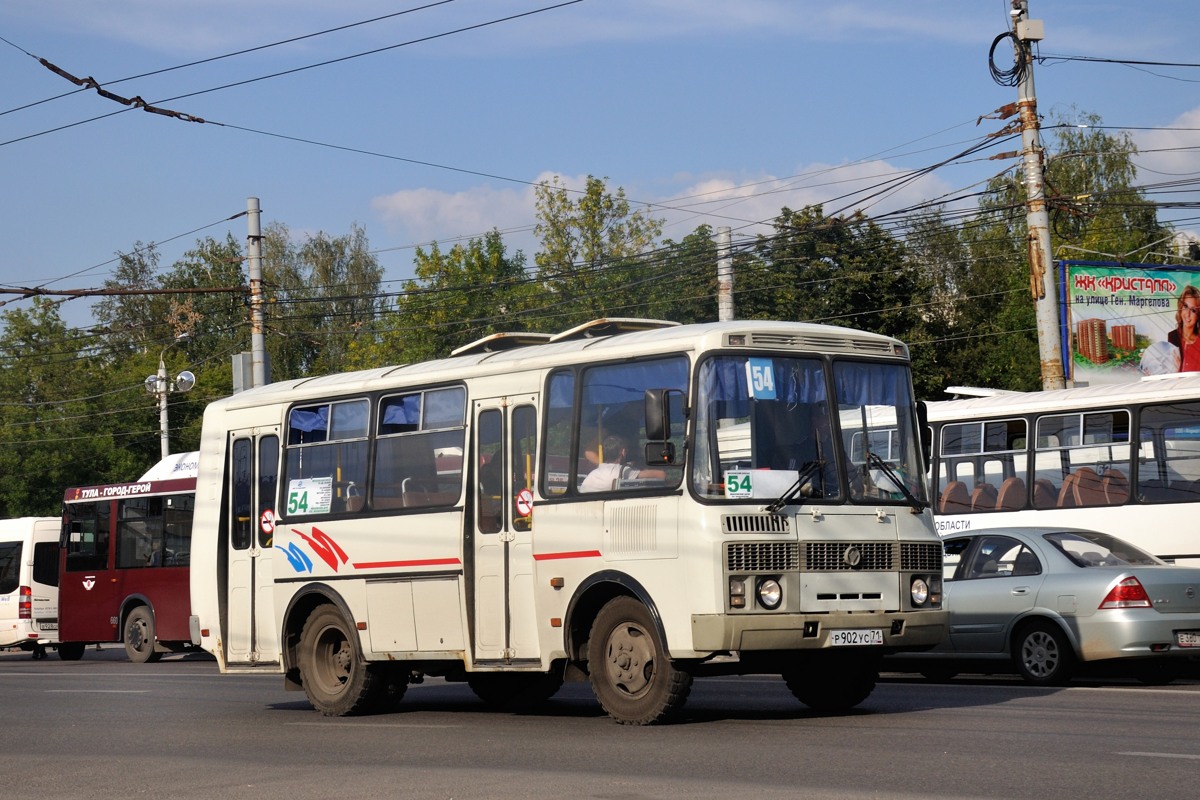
point(605, 477)
point(1186, 335)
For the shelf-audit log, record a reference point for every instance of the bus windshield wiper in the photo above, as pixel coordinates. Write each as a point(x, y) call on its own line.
point(876, 461)
point(805, 473)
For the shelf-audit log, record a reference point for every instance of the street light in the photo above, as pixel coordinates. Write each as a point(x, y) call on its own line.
point(159, 384)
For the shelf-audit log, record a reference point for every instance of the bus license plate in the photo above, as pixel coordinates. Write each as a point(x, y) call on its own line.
point(1188, 638)
point(855, 637)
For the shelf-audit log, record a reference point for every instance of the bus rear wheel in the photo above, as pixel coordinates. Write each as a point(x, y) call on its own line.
point(632, 676)
point(334, 674)
point(139, 636)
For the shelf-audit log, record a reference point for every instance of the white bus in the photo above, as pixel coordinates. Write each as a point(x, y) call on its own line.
point(357, 532)
point(1118, 458)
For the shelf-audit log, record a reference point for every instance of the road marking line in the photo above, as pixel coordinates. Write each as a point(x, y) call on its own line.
point(370, 725)
point(97, 691)
point(1163, 755)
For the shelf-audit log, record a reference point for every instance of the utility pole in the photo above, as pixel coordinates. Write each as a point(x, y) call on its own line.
point(724, 275)
point(1042, 284)
point(254, 267)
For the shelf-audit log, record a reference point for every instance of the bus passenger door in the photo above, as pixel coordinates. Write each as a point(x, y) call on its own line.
point(251, 635)
point(505, 447)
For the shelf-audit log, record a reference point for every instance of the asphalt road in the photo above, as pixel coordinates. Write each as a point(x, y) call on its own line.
point(103, 727)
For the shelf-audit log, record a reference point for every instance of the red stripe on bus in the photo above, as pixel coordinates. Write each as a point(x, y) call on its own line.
point(576, 554)
point(424, 562)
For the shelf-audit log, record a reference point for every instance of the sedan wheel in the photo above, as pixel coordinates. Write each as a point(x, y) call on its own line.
point(1043, 654)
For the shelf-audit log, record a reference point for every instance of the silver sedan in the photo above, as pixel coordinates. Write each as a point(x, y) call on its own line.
point(1047, 599)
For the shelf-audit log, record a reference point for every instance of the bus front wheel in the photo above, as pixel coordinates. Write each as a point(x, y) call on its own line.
point(139, 636)
point(334, 674)
point(632, 675)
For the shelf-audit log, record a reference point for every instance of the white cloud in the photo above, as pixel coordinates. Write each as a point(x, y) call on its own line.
point(427, 215)
point(746, 203)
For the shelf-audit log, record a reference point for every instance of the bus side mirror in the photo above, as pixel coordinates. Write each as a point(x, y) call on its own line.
point(659, 406)
point(925, 432)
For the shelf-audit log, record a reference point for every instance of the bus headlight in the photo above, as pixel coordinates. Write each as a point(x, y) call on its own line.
point(770, 593)
point(919, 591)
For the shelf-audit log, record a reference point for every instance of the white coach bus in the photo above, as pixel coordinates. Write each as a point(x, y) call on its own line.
point(1118, 458)
point(540, 508)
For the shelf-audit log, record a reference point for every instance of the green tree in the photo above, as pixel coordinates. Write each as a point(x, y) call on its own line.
point(458, 296)
point(590, 246)
point(62, 422)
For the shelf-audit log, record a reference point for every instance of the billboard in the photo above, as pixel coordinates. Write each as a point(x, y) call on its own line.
point(1124, 321)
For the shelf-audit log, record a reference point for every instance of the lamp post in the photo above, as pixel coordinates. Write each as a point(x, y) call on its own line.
point(159, 384)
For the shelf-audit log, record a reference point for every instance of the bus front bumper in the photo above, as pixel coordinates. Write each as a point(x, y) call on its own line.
point(912, 630)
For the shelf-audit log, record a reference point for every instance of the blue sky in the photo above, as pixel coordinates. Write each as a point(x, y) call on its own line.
point(747, 106)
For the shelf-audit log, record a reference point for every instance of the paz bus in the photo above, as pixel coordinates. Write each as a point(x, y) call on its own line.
point(124, 570)
point(357, 532)
point(1119, 458)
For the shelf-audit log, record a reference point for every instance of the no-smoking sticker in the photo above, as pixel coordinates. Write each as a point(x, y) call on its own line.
point(267, 522)
point(524, 503)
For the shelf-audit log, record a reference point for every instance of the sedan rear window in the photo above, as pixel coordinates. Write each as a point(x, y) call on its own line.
point(1095, 549)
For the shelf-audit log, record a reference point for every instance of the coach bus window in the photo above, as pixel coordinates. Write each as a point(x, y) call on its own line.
point(326, 453)
point(87, 536)
point(1078, 456)
point(560, 430)
point(982, 466)
point(524, 455)
point(177, 529)
point(1169, 469)
point(419, 456)
point(268, 486)
point(612, 407)
point(139, 532)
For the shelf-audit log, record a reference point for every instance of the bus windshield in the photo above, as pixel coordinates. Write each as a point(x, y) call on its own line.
point(766, 424)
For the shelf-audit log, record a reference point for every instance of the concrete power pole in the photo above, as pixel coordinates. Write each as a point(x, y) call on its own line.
point(1041, 258)
point(258, 348)
point(724, 275)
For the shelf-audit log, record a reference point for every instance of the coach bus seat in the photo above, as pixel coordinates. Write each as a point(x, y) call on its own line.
point(1089, 491)
point(1066, 493)
point(955, 499)
point(1116, 486)
point(1045, 495)
point(983, 498)
point(1012, 494)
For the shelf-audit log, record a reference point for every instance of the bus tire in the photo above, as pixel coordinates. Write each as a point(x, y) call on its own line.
point(138, 636)
point(332, 670)
point(514, 691)
point(632, 677)
point(832, 684)
point(71, 651)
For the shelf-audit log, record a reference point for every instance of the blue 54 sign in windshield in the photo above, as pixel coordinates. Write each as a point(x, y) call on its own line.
point(760, 378)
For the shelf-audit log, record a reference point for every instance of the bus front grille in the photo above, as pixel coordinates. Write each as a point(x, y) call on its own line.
point(858, 556)
point(762, 556)
point(921, 557)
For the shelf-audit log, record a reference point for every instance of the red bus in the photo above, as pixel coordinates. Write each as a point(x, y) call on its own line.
point(124, 570)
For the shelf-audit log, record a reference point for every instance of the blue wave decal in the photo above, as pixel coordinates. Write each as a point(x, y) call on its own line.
point(297, 557)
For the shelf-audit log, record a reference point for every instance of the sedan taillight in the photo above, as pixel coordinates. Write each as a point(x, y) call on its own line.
point(1127, 594)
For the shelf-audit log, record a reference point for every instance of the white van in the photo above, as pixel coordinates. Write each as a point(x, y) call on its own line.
point(29, 583)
